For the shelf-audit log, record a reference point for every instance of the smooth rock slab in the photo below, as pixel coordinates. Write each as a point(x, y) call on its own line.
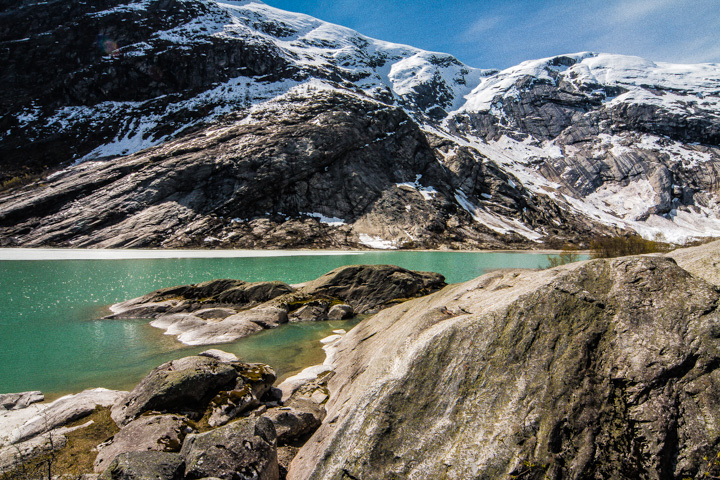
point(17, 401)
point(145, 466)
point(161, 433)
point(65, 410)
point(242, 450)
point(599, 369)
point(220, 355)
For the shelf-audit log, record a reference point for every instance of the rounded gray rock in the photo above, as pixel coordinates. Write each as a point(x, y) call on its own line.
point(242, 450)
point(161, 433)
point(145, 466)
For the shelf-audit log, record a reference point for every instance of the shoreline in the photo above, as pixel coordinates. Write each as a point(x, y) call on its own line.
point(44, 254)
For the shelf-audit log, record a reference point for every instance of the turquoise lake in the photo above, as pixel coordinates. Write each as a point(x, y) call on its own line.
point(53, 338)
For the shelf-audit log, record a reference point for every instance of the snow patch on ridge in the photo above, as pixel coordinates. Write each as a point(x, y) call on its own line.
point(334, 221)
point(495, 221)
point(428, 193)
point(377, 242)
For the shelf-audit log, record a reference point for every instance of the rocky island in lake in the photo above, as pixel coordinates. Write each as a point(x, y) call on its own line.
point(607, 368)
point(222, 311)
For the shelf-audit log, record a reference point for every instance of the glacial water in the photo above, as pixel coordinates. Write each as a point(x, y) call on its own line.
point(53, 338)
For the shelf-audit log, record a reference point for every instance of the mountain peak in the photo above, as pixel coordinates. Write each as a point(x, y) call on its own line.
point(603, 141)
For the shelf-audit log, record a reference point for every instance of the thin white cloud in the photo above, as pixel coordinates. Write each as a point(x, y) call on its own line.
point(635, 10)
point(481, 26)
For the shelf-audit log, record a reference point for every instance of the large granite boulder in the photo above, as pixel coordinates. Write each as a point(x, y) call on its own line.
point(161, 433)
point(145, 466)
point(187, 385)
point(601, 369)
point(296, 419)
point(242, 450)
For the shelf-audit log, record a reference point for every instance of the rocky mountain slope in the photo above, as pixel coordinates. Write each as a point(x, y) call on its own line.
point(198, 123)
point(600, 369)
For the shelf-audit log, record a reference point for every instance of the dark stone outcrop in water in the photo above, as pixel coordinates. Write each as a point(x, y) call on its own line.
point(602, 369)
point(221, 311)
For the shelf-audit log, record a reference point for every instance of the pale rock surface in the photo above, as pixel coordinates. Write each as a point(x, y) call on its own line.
point(600, 369)
point(702, 261)
point(17, 401)
point(220, 355)
point(65, 410)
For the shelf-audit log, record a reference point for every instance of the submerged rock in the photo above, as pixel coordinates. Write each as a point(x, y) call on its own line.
point(601, 369)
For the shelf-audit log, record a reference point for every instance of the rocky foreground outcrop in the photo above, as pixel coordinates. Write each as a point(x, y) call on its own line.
point(601, 369)
point(206, 416)
point(222, 311)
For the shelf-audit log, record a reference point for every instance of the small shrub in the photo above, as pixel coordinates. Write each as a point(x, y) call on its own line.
point(611, 247)
point(568, 255)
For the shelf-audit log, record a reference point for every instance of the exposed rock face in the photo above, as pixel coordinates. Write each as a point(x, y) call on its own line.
point(161, 433)
point(242, 450)
point(324, 155)
point(41, 428)
point(145, 466)
point(602, 369)
point(65, 410)
point(18, 401)
point(223, 311)
point(702, 261)
point(187, 386)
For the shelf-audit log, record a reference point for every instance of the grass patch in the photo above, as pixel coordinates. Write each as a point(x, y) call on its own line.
point(76, 458)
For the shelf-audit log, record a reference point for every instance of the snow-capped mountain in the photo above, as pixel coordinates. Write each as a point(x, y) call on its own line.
point(196, 122)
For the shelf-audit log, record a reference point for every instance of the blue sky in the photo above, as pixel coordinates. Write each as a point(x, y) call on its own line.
point(499, 34)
